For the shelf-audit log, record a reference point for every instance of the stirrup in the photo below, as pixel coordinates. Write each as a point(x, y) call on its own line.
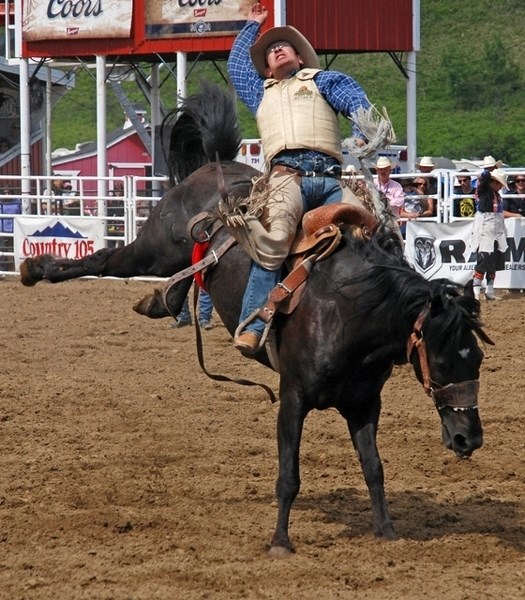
point(249, 319)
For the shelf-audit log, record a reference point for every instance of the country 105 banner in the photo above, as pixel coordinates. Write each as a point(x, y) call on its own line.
point(443, 250)
point(62, 237)
point(181, 18)
point(76, 19)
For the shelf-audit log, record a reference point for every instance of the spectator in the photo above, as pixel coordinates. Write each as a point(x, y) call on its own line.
point(205, 312)
point(392, 190)
point(302, 146)
point(70, 201)
point(490, 163)
point(464, 206)
point(515, 207)
point(489, 236)
point(427, 165)
point(417, 203)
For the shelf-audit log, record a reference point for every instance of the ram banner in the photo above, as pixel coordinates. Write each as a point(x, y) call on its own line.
point(443, 250)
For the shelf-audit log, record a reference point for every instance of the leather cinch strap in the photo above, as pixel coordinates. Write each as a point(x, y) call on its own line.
point(211, 259)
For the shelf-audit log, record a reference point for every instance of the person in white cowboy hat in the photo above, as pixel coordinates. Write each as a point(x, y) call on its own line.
point(490, 163)
point(489, 235)
point(427, 165)
point(296, 105)
point(391, 189)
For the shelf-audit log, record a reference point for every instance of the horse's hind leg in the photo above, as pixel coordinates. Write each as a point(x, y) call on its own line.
point(363, 430)
point(289, 430)
point(55, 269)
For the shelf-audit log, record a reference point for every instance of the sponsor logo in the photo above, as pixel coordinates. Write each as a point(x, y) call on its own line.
point(69, 8)
point(58, 240)
point(200, 27)
point(303, 93)
point(424, 252)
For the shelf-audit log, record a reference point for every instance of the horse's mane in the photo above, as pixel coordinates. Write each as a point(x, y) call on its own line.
point(388, 278)
point(203, 126)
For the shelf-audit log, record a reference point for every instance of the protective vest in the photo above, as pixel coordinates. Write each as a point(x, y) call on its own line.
point(293, 114)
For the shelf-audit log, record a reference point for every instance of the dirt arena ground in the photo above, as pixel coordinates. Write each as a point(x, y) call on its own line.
point(126, 474)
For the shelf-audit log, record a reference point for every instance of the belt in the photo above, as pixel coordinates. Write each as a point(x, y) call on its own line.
point(301, 173)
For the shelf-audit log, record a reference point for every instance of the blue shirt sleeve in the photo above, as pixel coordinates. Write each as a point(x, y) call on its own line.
point(343, 94)
point(248, 84)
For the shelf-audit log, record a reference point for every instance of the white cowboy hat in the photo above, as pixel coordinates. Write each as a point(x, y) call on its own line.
point(490, 161)
point(286, 34)
point(426, 161)
point(500, 176)
point(383, 162)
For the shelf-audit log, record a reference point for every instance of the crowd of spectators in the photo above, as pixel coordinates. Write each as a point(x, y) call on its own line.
point(418, 197)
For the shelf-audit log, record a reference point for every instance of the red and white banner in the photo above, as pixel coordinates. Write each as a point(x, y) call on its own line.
point(76, 19)
point(65, 237)
point(165, 18)
point(442, 250)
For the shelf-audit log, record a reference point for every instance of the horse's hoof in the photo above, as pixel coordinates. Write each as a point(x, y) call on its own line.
point(143, 306)
point(280, 552)
point(387, 533)
point(27, 275)
point(152, 306)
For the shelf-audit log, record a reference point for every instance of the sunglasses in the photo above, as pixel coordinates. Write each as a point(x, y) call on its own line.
point(276, 47)
point(421, 184)
point(519, 180)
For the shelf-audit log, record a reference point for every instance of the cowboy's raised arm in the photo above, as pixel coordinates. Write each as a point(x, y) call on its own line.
point(247, 82)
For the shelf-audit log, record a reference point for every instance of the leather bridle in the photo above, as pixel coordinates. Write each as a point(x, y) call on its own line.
point(458, 396)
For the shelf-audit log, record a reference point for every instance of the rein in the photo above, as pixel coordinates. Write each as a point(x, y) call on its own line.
point(454, 395)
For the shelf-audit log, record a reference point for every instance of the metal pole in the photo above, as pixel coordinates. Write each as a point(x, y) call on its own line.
point(25, 136)
point(101, 134)
point(412, 86)
point(182, 62)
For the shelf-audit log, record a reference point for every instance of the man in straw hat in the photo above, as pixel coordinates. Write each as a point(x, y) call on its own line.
point(295, 104)
point(490, 163)
point(392, 190)
point(489, 235)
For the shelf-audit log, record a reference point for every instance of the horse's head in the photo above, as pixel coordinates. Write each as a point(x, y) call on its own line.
point(444, 351)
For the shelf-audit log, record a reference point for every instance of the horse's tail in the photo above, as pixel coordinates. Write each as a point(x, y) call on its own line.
point(194, 133)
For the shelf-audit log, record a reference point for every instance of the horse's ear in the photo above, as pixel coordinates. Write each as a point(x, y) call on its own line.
point(469, 289)
point(436, 305)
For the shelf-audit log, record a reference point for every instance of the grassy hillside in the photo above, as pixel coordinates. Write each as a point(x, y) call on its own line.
point(470, 85)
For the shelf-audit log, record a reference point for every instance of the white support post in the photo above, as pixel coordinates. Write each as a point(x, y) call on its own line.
point(102, 161)
point(412, 87)
point(279, 8)
point(182, 61)
point(25, 136)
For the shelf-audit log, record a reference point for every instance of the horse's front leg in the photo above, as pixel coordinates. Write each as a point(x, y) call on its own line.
point(363, 431)
point(290, 423)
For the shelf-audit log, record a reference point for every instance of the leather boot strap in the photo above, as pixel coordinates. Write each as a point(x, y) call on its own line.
point(283, 290)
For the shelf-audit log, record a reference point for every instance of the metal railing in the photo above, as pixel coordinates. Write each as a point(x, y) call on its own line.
point(122, 215)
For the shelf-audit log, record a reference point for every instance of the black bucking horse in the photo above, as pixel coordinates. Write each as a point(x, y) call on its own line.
point(363, 311)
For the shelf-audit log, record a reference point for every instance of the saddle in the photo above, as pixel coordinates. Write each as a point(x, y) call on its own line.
point(317, 238)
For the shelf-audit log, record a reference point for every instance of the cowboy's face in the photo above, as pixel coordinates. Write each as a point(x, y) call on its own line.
point(282, 59)
point(383, 173)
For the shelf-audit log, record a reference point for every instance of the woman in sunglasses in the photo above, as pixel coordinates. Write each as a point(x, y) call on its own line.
point(514, 204)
